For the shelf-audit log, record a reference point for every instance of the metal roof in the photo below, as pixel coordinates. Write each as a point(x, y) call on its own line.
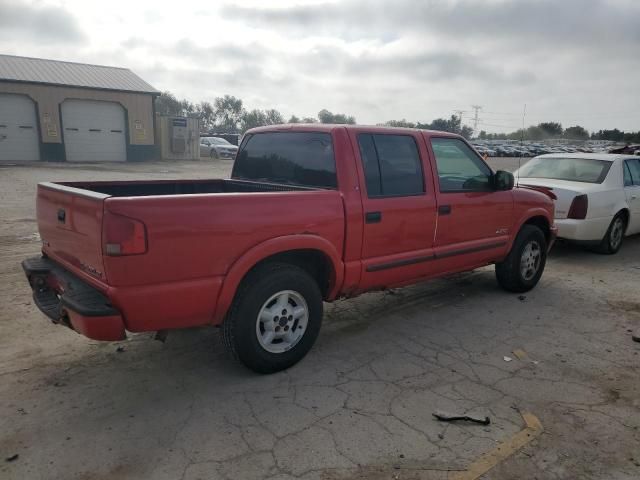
point(54, 72)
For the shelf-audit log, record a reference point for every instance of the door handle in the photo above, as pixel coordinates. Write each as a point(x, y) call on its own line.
point(444, 210)
point(373, 217)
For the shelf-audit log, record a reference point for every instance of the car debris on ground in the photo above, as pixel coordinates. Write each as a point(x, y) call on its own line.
point(452, 417)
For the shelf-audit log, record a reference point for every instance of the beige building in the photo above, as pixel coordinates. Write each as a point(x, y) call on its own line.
point(62, 111)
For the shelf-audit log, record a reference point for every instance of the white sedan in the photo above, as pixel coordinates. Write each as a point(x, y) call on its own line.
point(216, 147)
point(598, 195)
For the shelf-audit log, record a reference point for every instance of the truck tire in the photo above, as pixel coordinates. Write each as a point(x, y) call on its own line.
point(523, 267)
point(612, 240)
point(275, 318)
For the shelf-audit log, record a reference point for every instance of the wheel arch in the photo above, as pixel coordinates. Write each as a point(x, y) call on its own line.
point(624, 211)
point(538, 217)
point(542, 223)
point(314, 254)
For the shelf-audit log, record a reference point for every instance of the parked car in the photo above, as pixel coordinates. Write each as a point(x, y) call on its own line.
point(216, 147)
point(310, 214)
point(598, 195)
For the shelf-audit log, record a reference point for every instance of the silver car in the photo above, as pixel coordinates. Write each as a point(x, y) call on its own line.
point(216, 147)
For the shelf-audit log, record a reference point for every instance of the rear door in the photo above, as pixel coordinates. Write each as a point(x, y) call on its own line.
point(474, 220)
point(632, 193)
point(399, 208)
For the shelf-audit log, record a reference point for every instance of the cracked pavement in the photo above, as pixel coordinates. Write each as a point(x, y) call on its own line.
point(358, 406)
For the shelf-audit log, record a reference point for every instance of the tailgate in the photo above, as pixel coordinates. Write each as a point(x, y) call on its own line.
point(70, 225)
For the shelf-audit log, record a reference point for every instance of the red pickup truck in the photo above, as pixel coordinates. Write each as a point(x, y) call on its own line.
point(311, 213)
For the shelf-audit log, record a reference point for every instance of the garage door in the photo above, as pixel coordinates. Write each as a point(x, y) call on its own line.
point(18, 129)
point(93, 131)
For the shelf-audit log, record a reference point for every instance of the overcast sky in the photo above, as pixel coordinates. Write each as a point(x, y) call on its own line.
point(573, 61)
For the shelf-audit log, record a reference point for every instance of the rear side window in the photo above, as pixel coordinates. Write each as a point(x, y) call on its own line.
point(391, 164)
point(628, 180)
point(634, 169)
point(292, 158)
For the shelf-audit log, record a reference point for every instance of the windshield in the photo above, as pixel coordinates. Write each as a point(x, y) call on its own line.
point(293, 158)
point(572, 169)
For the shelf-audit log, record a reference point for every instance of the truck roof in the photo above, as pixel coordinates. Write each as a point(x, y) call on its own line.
point(329, 127)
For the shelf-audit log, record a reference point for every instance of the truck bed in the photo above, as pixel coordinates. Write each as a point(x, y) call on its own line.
point(144, 188)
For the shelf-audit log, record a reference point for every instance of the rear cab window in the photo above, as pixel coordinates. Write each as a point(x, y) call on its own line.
point(303, 159)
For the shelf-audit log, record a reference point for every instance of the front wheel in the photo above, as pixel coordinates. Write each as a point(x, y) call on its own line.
point(523, 267)
point(214, 154)
point(275, 318)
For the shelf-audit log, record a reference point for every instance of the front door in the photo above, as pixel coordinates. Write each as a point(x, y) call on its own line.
point(399, 208)
point(474, 220)
point(632, 193)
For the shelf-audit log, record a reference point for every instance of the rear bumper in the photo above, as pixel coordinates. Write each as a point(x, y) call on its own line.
point(588, 230)
point(69, 301)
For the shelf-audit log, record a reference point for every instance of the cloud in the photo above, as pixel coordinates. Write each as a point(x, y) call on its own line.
point(566, 23)
point(38, 23)
point(574, 61)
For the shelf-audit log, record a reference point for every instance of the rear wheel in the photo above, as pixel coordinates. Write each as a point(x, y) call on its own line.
point(612, 240)
point(275, 318)
point(523, 267)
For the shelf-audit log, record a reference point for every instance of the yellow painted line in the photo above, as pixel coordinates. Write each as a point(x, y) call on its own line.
point(503, 451)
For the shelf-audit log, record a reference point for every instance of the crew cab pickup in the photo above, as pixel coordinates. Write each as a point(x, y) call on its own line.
point(311, 213)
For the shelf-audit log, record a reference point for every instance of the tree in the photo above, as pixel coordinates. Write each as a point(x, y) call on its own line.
point(576, 133)
point(229, 111)
point(614, 135)
point(274, 117)
point(188, 108)
point(168, 104)
point(309, 120)
point(258, 118)
point(455, 124)
point(251, 119)
point(551, 129)
point(482, 135)
point(439, 124)
point(400, 123)
point(325, 116)
point(293, 119)
point(206, 115)
point(466, 131)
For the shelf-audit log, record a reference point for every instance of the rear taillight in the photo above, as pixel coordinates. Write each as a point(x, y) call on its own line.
point(123, 235)
point(579, 206)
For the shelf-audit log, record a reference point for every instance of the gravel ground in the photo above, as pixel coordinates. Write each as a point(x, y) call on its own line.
point(359, 406)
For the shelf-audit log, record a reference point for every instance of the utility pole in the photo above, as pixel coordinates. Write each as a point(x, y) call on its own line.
point(476, 109)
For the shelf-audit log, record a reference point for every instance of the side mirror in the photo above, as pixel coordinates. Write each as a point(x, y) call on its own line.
point(503, 180)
